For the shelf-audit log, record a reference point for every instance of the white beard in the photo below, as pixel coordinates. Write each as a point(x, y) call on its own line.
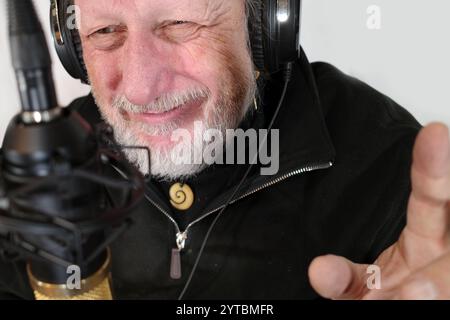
point(161, 166)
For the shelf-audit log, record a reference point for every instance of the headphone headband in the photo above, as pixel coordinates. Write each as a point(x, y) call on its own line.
point(274, 29)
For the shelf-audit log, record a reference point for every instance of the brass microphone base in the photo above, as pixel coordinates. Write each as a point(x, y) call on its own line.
point(96, 287)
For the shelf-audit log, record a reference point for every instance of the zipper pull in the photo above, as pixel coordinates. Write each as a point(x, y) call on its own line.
point(175, 261)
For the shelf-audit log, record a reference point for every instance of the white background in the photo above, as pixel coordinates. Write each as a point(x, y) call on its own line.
point(408, 58)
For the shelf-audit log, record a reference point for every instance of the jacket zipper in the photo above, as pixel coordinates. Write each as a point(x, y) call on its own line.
point(181, 237)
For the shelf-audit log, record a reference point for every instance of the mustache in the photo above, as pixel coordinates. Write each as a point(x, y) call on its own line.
point(163, 103)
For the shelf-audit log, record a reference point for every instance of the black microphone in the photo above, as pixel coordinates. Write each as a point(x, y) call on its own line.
point(56, 178)
point(33, 66)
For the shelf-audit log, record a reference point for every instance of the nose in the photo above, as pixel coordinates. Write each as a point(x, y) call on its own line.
point(147, 70)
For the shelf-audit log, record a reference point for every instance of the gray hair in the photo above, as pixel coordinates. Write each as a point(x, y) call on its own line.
point(251, 6)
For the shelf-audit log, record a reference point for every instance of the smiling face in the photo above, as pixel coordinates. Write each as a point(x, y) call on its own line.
point(160, 65)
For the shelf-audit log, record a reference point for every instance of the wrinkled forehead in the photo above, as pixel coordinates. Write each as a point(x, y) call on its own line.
point(151, 9)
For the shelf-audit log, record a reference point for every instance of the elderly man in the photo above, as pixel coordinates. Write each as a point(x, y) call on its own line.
point(356, 180)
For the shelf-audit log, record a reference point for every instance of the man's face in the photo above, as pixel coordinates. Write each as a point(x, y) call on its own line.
point(160, 65)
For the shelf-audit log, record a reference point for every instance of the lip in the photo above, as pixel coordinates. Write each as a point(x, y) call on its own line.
point(178, 112)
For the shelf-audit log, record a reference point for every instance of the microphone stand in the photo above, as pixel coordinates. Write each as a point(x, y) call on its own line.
point(56, 176)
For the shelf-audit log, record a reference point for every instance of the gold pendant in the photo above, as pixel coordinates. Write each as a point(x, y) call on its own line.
point(181, 196)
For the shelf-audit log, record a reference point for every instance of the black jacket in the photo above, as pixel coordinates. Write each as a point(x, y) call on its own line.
point(342, 188)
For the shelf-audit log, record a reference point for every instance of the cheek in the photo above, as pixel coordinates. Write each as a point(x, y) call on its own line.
point(104, 73)
point(212, 61)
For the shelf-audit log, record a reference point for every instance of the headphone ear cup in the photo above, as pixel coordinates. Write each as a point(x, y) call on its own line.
point(255, 27)
point(288, 46)
point(274, 42)
point(78, 48)
point(271, 35)
point(67, 40)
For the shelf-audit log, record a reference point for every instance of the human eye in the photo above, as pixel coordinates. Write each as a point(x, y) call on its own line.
point(180, 30)
point(108, 37)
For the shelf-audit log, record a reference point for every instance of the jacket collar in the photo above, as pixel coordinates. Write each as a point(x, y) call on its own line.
point(304, 137)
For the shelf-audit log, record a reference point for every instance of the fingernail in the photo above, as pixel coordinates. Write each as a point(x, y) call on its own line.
point(419, 290)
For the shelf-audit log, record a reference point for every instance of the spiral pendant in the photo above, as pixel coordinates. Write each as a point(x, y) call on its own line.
point(181, 196)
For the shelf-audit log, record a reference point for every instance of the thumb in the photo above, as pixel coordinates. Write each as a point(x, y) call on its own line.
point(335, 277)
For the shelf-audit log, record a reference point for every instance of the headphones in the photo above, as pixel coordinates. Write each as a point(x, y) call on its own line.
point(274, 30)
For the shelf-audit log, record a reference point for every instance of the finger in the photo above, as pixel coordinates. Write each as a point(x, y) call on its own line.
point(429, 283)
point(335, 277)
point(430, 176)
